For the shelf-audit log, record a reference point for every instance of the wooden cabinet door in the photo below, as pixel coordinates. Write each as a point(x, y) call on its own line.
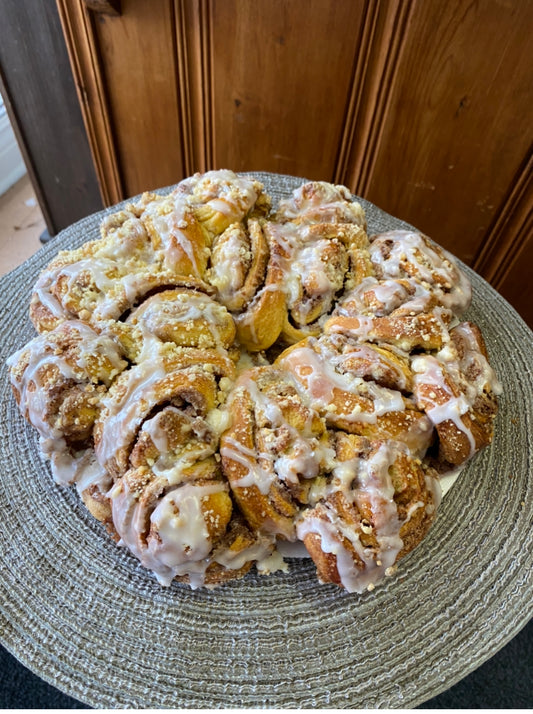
point(423, 107)
point(173, 87)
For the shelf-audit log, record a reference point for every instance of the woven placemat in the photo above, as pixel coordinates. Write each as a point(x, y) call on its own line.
point(84, 615)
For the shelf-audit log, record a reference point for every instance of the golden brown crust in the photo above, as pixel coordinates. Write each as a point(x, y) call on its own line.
point(398, 312)
point(351, 396)
point(377, 506)
point(273, 448)
point(260, 320)
point(456, 388)
point(186, 318)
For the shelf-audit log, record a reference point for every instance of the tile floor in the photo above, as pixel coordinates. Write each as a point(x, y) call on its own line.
point(21, 224)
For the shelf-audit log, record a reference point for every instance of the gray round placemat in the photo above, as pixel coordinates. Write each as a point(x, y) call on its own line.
point(83, 614)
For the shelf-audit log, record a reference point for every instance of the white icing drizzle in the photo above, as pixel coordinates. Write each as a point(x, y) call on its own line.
point(311, 265)
point(308, 274)
point(33, 400)
point(62, 463)
point(303, 459)
point(287, 236)
point(80, 468)
point(269, 562)
point(90, 473)
point(261, 551)
point(42, 292)
point(223, 191)
point(124, 237)
point(381, 297)
point(221, 206)
point(225, 273)
point(403, 336)
point(255, 474)
point(473, 361)
point(34, 393)
point(156, 432)
point(436, 489)
point(373, 301)
point(336, 350)
point(143, 387)
point(184, 309)
point(429, 372)
point(446, 368)
point(365, 481)
point(123, 416)
point(180, 524)
point(178, 542)
point(92, 344)
point(135, 285)
point(434, 266)
point(320, 201)
point(171, 228)
point(98, 269)
point(199, 445)
point(321, 379)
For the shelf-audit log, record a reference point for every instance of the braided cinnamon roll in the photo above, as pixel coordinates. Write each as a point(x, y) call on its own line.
point(248, 275)
point(323, 244)
point(274, 449)
point(401, 313)
point(345, 383)
point(405, 254)
point(101, 279)
point(59, 381)
point(163, 386)
point(457, 388)
point(181, 528)
point(181, 316)
point(191, 379)
point(177, 235)
point(221, 198)
point(88, 286)
point(159, 241)
point(319, 261)
point(377, 505)
point(321, 202)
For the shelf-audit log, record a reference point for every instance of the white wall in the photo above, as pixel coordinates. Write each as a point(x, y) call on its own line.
point(12, 166)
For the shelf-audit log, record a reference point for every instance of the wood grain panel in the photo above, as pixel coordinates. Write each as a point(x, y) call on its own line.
point(382, 36)
point(138, 55)
point(78, 30)
point(516, 283)
point(107, 7)
point(510, 228)
point(457, 124)
point(506, 259)
point(279, 90)
point(194, 82)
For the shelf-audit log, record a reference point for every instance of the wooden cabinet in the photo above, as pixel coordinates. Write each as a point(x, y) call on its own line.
point(424, 107)
point(37, 86)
